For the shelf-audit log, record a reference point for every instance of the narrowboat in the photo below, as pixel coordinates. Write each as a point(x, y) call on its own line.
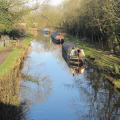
point(46, 31)
point(57, 38)
point(71, 56)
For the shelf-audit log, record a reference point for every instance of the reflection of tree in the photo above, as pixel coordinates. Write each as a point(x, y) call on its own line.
point(45, 45)
point(104, 99)
point(36, 89)
point(106, 106)
point(103, 102)
point(46, 42)
point(11, 112)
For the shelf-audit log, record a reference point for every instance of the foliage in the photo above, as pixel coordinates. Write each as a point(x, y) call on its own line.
point(14, 33)
point(11, 11)
point(49, 16)
point(117, 83)
point(9, 62)
point(98, 20)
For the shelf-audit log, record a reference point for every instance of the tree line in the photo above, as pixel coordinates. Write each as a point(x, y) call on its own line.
point(96, 20)
point(12, 14)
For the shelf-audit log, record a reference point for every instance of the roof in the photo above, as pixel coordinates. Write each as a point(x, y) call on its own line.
point(67, 46)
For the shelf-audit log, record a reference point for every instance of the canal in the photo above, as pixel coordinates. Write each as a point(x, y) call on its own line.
point(49, 91)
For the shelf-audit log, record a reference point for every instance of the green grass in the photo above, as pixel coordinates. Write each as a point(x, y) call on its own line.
point(2, 48)
point(12, 58)
point(26, 42)
point(10, 61)
point(117, 83)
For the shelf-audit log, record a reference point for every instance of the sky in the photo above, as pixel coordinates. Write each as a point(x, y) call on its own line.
point(55, 2)
point(51, 2)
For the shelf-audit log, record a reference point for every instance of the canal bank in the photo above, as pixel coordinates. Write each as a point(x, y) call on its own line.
point(100, 60)
point(14, 58)
point(11, 107)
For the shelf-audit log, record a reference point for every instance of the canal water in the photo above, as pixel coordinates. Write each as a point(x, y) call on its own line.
point(53, 93)
point(49, 91)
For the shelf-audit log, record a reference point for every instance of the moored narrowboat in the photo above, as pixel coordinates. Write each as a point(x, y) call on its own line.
point(57, 38)
point(46, 31)
point(72, 55)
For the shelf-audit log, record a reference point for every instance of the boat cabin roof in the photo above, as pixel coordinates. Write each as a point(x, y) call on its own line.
point(54, 34)
point(67, 46)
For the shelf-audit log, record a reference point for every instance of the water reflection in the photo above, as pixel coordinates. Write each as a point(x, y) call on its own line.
point(35, 89)
point(102, 101)
point(11, 112)
point(45, 41)
point(77, 70)
point(52, 93)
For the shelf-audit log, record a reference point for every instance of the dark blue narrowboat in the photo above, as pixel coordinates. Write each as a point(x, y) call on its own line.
point(57, 38)
point(69, 53)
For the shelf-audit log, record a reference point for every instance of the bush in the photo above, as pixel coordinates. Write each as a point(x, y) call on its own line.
point(17, 33)
point(14, 33)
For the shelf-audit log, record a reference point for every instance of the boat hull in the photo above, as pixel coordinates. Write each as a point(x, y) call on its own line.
point(58, 41)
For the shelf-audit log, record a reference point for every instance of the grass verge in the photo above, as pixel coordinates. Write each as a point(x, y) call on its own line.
point(2, 48)
point(14, 57)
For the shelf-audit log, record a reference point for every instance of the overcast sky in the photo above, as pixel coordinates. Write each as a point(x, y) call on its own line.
point(51, 2)
point(55, 2)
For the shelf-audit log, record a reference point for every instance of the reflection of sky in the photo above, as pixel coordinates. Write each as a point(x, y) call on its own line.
point(57, 103)
point(61, 96)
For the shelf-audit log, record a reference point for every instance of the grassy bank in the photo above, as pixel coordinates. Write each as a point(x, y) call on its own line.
point(15, 57)
point(99, 59)
point(2, 48)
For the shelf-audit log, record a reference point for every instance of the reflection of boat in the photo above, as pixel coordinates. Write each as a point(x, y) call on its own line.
point(57, 38)
point(77, 70)
point(69, 53)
